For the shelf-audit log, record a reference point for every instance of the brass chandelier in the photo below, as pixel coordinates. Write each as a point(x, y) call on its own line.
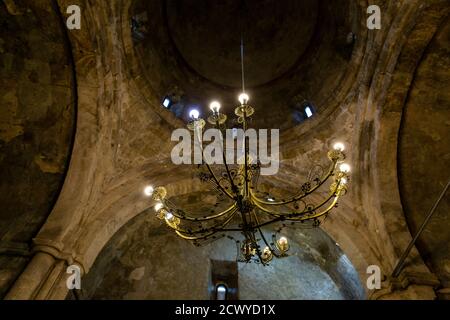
point(247, 210)
point(250, 210)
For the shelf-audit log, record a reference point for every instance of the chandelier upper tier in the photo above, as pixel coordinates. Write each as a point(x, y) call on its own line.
point(250, 211)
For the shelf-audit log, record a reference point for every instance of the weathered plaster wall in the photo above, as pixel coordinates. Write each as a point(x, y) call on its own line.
point(424, 152)
point(122, 144)
point(145, 260)
point(37, 114)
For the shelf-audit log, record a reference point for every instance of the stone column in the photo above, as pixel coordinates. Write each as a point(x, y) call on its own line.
point(44, 278)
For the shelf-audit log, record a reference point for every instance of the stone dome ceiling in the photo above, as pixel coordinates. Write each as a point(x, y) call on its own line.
point(289, 57)
point(274, 39)
point(100, 89)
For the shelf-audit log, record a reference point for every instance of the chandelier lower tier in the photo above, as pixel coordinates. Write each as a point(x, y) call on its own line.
point(250, 211)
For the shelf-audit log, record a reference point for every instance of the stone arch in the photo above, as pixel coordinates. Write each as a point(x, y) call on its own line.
point(96, 189)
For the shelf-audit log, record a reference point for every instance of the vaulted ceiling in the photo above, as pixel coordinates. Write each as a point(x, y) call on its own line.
point(293, 51)
point(37, 126)
point(82, 129)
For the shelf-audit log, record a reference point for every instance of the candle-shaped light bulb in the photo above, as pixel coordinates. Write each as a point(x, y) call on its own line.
point(194, 114)
point(148, 191)
point(339, 146)
point(283, 244)
point(158, 206)
point(215, 106)
point(344, 168)
point(243, 98)
point(169, 216)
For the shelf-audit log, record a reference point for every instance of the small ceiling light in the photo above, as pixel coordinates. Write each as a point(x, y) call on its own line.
point(194, 114)
point(148, 191)
point(339, 146)
point(344, 168)
point(243, 98)
point(271, 199)
point(215, 106)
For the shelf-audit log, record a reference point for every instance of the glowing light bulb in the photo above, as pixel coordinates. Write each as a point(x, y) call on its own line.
point(282, 244)
point(194, 114)
point(148, 191)
point(344, 168)
point(158, 206)
point(215, 106)
point(266, 254)
point(169, 216)
point(243, 98)
point(339, 146)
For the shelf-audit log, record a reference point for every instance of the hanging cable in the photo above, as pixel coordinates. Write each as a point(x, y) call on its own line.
point(242, 64)
point(241, 26)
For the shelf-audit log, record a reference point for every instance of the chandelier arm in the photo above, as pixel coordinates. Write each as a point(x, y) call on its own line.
point(182, 233)
point(191, 238)
point(219, 225)
point(201, 233)
point(271, 213)
point(298, 197)
point(285, 216)
point(189, 217)
point(326, 211)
